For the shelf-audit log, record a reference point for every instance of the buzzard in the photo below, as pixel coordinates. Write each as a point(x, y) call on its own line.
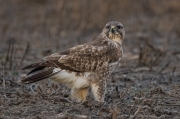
point(83, 66)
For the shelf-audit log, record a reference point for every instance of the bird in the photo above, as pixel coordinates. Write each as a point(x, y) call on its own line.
point(83, 67)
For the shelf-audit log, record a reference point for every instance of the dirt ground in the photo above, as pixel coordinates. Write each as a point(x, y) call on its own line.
point(146, 84)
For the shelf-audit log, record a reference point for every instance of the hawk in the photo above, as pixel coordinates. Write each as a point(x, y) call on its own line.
point(83, 66)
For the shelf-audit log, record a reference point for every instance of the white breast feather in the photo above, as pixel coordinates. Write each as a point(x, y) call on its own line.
point(70, 79)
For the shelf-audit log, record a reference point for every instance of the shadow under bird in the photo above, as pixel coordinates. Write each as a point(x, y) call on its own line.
point(83, 66)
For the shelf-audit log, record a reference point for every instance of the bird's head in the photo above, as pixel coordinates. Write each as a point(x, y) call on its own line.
point(114, 31)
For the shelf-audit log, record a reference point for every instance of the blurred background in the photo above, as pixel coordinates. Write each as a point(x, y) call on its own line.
point(32, 29)
point(48, 26)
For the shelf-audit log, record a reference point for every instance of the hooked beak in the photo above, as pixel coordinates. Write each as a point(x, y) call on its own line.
point(112, 29)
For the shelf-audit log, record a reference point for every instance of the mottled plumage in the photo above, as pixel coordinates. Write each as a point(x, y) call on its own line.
point(83, 66)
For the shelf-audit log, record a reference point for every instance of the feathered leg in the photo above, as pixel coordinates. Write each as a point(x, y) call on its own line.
point(79, 94)
point(99, 89)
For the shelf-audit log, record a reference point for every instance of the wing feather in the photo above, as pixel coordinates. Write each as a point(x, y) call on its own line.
point(40, 64)
point(87, 57)
point(83, 58)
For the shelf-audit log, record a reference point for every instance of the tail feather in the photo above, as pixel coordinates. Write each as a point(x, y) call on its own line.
point(40, 75)
point(40, 64)
point(35, 70)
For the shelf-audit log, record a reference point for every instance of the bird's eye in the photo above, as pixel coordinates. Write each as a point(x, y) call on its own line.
point(119, 27)
point(107, 26)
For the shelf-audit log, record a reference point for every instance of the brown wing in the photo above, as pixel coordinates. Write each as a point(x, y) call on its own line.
point(91, 57)
point(41, 65)
point(82, 58)
point(87, 57)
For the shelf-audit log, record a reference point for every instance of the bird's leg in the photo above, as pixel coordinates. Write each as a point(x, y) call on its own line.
point(79, 94)
point(98, 90)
